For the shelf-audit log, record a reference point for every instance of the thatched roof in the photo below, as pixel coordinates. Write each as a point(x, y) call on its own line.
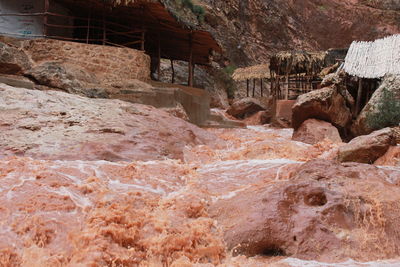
point(374, 59)
point(291, 62)
point(254, 72)
point(158, 22)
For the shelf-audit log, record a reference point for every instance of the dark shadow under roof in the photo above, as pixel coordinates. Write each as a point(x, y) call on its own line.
point(161, 27)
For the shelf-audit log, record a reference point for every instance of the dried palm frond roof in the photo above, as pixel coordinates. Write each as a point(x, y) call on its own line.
point(374, 59)
point(290, 62)
point(254, 72)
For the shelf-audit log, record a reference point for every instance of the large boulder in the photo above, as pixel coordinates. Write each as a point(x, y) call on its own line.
point(245, 107)
point(57, 125)
point(322, 211)
point(382, 110)
point(13, 60)
point(367, 148)
point(313, 131)
point(326, 104)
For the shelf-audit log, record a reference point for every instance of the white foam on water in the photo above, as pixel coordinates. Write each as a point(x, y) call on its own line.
point(117, 185)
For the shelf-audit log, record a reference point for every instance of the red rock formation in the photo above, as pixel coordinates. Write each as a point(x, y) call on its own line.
point(367, 148)
point(322, 211)
point(313, 131)
point(56, 125)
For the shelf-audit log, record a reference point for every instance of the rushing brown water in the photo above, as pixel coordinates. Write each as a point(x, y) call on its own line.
point(155, 213)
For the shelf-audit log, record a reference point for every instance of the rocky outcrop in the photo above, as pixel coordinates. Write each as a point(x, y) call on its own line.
point(382, 110)
point(313, 131)
point(245, 107)
point(367, 148)
point(57, 125)
point(325, 104)
point(323, 211)
point(13, 60)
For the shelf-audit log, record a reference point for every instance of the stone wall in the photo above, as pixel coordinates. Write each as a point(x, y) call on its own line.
point(109, 64)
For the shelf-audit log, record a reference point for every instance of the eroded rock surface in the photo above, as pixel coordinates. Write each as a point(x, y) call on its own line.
point(321, 211)
point(57, 125)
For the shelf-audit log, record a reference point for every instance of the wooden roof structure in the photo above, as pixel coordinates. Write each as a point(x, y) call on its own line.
point(176, 40)
point(375, 59)
point(260, 71)
point(295, 62)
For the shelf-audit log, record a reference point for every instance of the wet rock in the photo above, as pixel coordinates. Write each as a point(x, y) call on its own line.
point(260, 118)
point(177, 111)
point(391, 157)
point(367, 148)
point(323, 211)
point(245, 107)
point(313, 131)
point(326, 104)
point(382, 110)
point(57, 125)
point(13, 60)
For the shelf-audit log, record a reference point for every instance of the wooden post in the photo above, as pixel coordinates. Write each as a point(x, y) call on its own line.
point(143, 34)
point(142, 39)
point(261, 85)
point(359, 95)
point(247, 83)
point(88, 26)
point(287, 87)
point(254, 86)
point(173, 71)
point(104, 25)
point(190, 64)
point(45, 17)
point(159, 58)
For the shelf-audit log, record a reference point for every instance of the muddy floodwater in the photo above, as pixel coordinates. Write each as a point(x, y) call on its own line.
point(232, 206)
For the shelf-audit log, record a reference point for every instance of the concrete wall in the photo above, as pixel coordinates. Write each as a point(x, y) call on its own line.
point(23, 26)
point(109, 64)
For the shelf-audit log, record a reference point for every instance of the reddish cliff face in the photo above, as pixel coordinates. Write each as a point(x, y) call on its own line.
point(251, 30)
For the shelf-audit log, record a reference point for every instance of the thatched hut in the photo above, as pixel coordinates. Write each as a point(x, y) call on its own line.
point(370, 62)
point(257, 72)
point(146, 25)
point(295, 72)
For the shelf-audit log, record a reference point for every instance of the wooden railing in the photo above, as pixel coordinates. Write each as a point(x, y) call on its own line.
point(91, 30)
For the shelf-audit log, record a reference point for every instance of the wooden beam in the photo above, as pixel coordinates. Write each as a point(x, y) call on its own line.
point(190, 63)
point(159, 58)
point(173, 71)
point(247, 83)
point(104, 25)
point(45, 17)
point(88, 26)
point(254, 86)
point(359, 95)
point(287, 87)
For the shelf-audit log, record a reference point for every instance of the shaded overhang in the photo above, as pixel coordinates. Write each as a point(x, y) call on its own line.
point(163, 32)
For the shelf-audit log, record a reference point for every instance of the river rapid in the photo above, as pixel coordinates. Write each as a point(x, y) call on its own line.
point(160, 213)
